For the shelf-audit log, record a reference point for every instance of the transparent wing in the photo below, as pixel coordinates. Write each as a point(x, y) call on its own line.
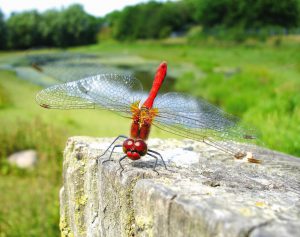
point(66, 67)
point(107, 91)
point(70, 70)
point(197, 119)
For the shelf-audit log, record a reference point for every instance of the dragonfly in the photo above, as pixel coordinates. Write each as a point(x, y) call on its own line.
point(173, 112)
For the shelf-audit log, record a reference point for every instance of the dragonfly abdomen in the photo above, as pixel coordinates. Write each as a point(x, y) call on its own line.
point(158, 80)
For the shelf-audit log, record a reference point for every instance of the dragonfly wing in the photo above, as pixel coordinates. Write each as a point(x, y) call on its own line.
point(64, 96)
point(196, 119)
point(66, 67)
point(107, 91)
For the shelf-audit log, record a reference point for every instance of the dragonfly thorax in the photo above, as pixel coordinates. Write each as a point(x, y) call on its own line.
point(142, 119)
point(135, 148)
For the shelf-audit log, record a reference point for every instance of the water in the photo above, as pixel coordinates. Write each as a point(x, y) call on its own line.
point(50, 69)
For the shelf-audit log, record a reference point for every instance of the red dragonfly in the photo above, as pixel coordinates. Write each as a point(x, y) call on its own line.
point(176, 113)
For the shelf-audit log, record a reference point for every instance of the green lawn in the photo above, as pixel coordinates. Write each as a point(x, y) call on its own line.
point(258, 82)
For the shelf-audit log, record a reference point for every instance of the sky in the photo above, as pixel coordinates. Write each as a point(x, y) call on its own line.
point(93, 7)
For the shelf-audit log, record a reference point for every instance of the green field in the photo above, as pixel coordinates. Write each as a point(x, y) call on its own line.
point(259, 82)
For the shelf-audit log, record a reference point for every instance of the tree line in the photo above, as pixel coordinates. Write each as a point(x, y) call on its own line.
point(152, 20)
point(159, 20)
point(53, 28)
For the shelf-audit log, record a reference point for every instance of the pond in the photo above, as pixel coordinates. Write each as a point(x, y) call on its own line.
point(49, 69)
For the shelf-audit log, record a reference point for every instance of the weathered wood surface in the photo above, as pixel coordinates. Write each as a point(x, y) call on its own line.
point(204, 193)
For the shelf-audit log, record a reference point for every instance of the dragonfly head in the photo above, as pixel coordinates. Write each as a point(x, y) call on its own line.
point(134, 149)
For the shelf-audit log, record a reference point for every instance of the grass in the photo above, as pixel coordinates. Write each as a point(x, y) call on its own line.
point(258, 82)
point(35, 189)
point(4, 98)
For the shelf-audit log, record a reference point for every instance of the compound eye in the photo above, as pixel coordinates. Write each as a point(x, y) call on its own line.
point(141, 147)
point(128, 144)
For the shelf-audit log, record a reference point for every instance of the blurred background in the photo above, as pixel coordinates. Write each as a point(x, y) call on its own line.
point(243, 56)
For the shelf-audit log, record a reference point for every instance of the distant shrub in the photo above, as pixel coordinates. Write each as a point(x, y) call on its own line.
point(195, 33)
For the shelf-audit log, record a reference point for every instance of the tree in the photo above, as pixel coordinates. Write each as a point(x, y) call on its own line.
point(49, 28)
point(2, 31)
point(75, 27)
point(23, 30)
point(247, 13)
point(153, 20)
point(67, 27)
point(283, 13)
point(125, 24)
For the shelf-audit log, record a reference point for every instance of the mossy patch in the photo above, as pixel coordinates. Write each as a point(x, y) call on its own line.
point(64, 228)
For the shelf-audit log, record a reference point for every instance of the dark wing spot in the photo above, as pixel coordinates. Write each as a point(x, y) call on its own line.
point(253, 160)
point(247, 136)
point(45, 106)
point(37, 67)
point(82, 88)
point(240, 155)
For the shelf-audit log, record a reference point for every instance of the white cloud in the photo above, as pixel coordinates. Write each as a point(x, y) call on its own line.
point(96, 8)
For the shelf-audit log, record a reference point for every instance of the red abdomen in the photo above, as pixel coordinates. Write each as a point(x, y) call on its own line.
point(158, 80)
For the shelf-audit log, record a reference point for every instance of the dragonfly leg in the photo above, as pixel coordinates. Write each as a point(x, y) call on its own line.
point(118, 137)
point(112, 151)
point(156, 159)
point(121, 166)
point(157, 153)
